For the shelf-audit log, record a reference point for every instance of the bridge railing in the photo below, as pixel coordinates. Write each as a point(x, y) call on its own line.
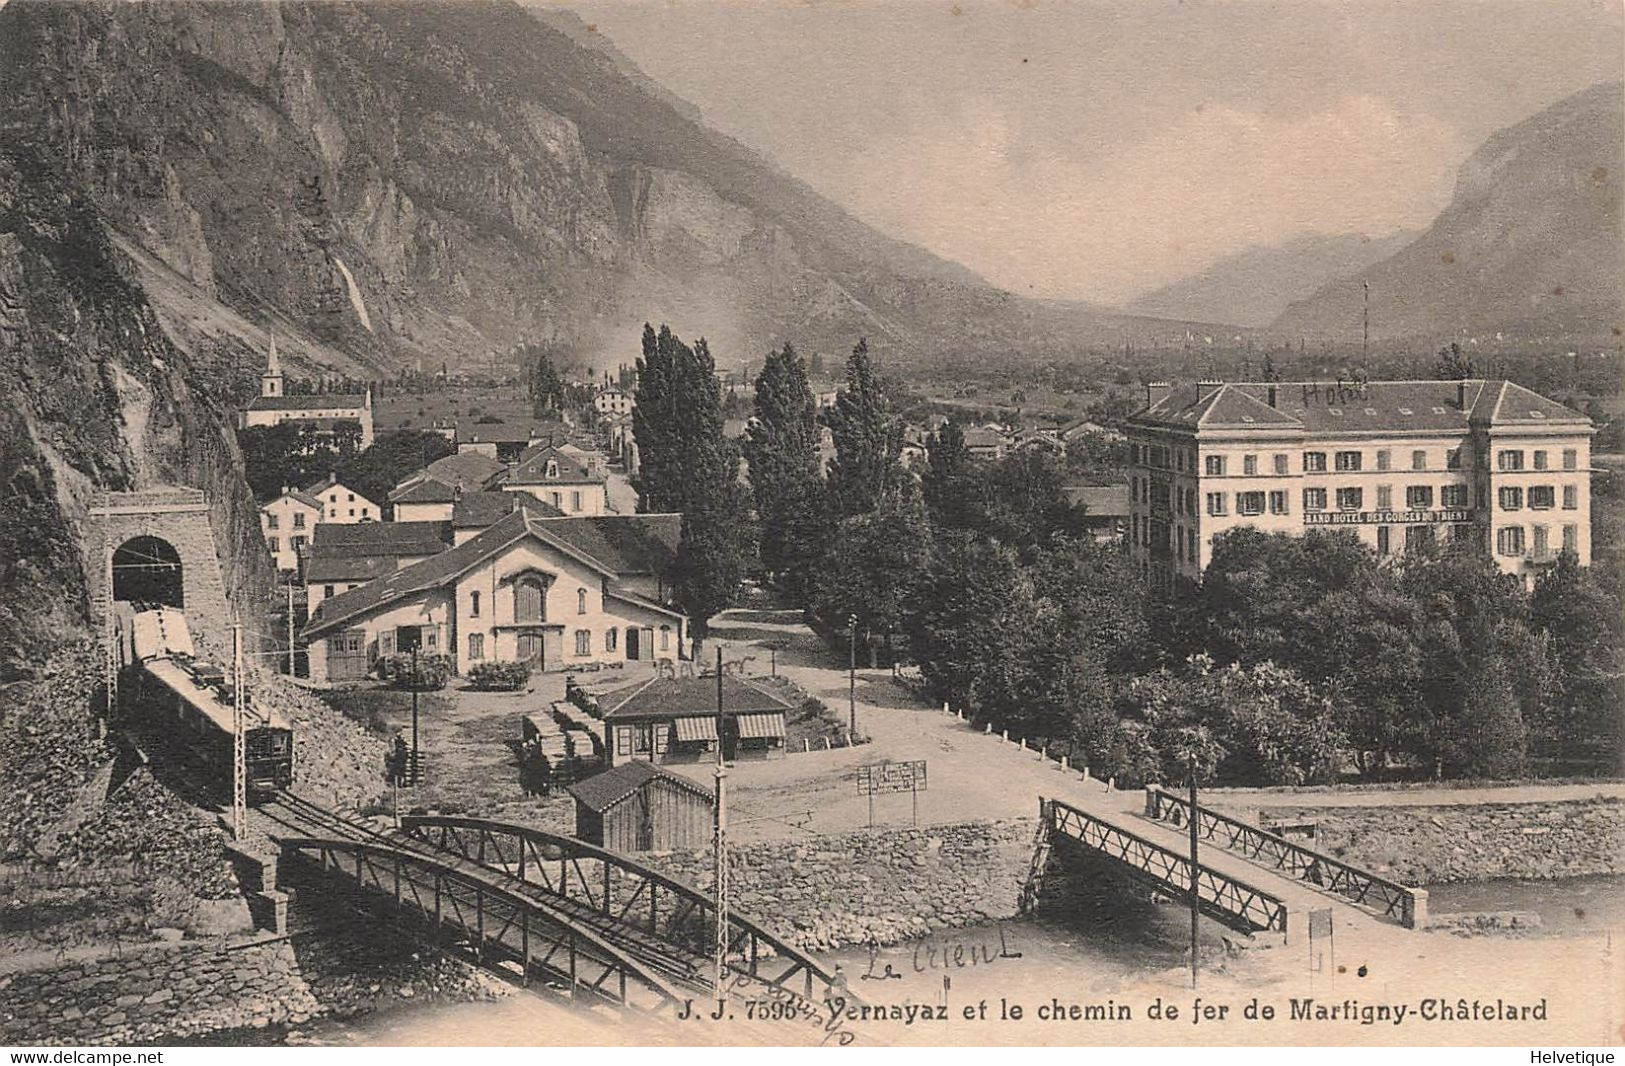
point(1226, 899)
point(622, 889)
point(1388, 898)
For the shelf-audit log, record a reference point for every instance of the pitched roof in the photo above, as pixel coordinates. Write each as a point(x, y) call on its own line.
point(423, 490)
point(295, 494)
point(327, 402)
point(688, 697)
point(475, 470)
point(351, 539)
point(574, 537)
point(602, 791)
point(326, 569)
point(331, 481)
point(532, 467)
point(523, 431)
point(478, 510)
point(1331, 408)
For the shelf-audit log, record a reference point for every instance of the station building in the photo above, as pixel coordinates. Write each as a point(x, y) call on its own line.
point(1401, 463)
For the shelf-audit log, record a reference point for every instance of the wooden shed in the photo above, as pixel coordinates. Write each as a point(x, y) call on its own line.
point(637, 806)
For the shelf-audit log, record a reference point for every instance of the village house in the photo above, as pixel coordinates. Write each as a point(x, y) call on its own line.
point(287, 523)
point(329, 411)
point(558, 593)
point(342, 557)
point(613, 401)
point(506, 442)
point(431, 494)
point(985, 442)
point(564, 476)
point(342, 504)
point(674, 720)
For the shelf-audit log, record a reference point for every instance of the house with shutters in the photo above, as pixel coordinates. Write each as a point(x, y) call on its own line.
point(674, 720)
point(566, 477)
point(431, 494)
point(558, 593)
point(287, 523)
point(342, 504)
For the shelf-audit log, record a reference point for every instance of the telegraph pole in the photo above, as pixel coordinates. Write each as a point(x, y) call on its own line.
point(239, 751)
point(1196, 872)
point(720, 858)
point(415, 716)
point(291, 671)
point(852, 674)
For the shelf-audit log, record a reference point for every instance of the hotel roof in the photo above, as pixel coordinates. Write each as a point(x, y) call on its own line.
point(1324, 408)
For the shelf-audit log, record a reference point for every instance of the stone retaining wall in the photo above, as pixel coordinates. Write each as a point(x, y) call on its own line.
point(1431, 845)
point(888, 885)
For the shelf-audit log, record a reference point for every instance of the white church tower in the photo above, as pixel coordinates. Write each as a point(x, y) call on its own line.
point(271, 376)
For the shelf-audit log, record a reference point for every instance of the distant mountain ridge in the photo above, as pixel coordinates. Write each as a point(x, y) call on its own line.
point(1255, 286)
point(1528, 247)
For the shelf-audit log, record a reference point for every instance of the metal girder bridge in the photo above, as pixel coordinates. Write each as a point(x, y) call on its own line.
point(1226, 899)
point(657, 919)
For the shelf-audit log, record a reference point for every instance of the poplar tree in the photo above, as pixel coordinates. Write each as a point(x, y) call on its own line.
point(868, 438)
point(781, 448)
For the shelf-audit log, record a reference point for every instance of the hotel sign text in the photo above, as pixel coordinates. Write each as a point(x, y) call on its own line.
point(1360, 518)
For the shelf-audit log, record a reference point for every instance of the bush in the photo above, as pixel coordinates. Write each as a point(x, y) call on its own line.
point(433, 671)
point(499, 677)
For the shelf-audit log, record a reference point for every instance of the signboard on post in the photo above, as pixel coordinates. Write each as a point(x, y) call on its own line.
point(886, 777)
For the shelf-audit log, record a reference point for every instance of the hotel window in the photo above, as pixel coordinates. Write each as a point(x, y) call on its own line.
point(1383, 547)
point(1348, 461)
point(1385, 458)
point(1214, 465)
point(612, 639)
point(1419, 497)
point(1540, 545)
point(1571, 497)
point(1571, 538)
point(1509, 540)
point(270, 521)
point(476, 645)
point(1452, 459)
point(1540, 459)
point(473, 605)
point(1249, 503)
point(1419, 460)
point(1249, 464)
point(1510, 459)
point(583, 642)
point(1314, 462)
point(1385, 497)
point(1281, 463)
point(1215, 503)
point(1418, 537)
point(1190, 550)
point(1453, 496)
point(581, 601)
point(1571, 458)
point(1314, 499)
point(1134, 535)
point(1350, 499)
point(1542, 497)
point(299, 520)
point(273, 543)
point(1511, 499)
point(1278, 503)
point(1179, 461)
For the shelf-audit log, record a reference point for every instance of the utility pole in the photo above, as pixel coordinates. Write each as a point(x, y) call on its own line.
point(720, 858)
point(852, 674)
point(291, 671)
point(239, 750)
point(415, 781)
point(1365, 335)
point(1196, 871)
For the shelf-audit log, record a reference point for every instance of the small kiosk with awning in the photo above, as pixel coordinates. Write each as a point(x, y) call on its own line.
point(674, 720)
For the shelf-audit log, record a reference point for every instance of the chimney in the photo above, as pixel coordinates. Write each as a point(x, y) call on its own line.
point(1154, 391)
point(1270, 394)
point(1461, 395)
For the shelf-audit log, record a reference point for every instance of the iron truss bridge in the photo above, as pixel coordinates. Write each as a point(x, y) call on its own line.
point(536, 905)
point(1226, 899)
point(1387, 899)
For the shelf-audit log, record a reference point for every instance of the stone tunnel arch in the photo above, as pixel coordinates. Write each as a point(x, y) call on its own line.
point(147, 570)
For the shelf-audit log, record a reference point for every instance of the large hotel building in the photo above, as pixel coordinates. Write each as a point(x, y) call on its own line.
point(1398, 462)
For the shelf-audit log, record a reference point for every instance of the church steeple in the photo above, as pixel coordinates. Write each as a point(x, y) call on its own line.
point(271, 377)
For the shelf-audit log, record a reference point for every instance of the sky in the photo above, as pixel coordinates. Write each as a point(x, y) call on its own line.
point(1099, 151)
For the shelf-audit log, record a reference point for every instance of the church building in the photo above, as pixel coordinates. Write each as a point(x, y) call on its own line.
point(329, 411)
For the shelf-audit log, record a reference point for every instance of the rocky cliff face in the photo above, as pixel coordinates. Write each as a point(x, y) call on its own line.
point(1529, 245)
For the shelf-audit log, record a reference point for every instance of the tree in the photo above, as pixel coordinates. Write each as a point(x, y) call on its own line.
point(868, 437)
point(951, 481)
point(971, 608)
point(291, 454)
point(781, 448)
point(393, 457)
point(1585, 631)
point(686, 465)
point(1452, 364)
point(544, 385)
point(872, 568)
